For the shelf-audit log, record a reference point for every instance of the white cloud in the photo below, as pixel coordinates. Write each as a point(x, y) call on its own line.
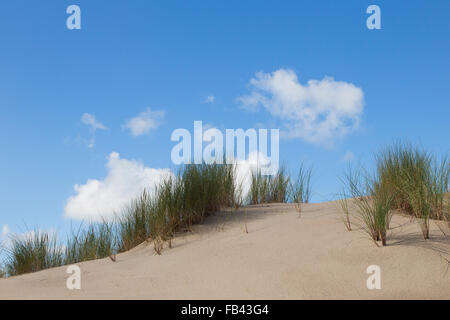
point(5, 231)
point(94, 125)
point(125, 179)
point(318, 112)
point(210, 99)
point(144, 122)
point(245, 167)
point(89, 119)
point(349, 156)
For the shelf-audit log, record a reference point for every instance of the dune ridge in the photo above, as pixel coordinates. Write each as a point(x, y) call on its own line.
point(281, 257)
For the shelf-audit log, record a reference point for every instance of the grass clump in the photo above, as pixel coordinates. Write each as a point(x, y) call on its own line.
point(417, 180)
point(97, 241)
point(268, 188)
point(344, 205)
point(180, 201)
point(197, 191)
point(280, 188)
point(408, 179)
point(373, 204)
point(413, 175)
point(300, 188)
point(134, 223)
point(33, 252)
point(439, 189)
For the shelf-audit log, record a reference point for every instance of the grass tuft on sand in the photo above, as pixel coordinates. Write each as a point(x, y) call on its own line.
point(406, 178)
point(34, 251)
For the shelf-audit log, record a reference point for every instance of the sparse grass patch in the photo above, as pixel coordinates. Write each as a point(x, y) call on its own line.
point(268, 188)
point(439, 188)
point(343, 202)
point(373, 204)
point(300, 188)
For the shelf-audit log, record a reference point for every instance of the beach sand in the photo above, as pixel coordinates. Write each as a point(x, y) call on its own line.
point(281, 257)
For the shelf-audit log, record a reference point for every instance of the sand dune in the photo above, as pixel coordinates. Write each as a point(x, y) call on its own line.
point(282, 257)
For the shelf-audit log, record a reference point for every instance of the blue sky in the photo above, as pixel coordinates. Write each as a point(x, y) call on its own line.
point(170, 56)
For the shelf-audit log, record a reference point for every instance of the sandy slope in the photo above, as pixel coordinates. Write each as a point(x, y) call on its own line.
point(282, 257)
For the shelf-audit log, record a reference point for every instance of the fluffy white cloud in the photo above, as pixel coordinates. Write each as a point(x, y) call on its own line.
point(318, 112)
point(144, 122)
point(210, 99)
point(89, 119)
point(97, 199)
point(94, 125)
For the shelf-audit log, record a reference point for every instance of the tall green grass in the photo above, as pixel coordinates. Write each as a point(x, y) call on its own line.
point(134, 222)
point(373, 204)
point(440, 187)
point(269, 188)
point(418, 181)
point(280, 187)
point(345, 210)
point(398, 163)
point(413, 175)
point(300, 188)
point(180, 201)
point(187, 198)
point(33, 252)
point(95, 242)
point(407, 178)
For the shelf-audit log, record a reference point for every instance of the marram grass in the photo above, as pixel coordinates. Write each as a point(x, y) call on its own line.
point(300, 188)
point(34, 251)
point(373, 205)
point(95, 242)
point(408, 179)
point(267, 188)
point(179, 201)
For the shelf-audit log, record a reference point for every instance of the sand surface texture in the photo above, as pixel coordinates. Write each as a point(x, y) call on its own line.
point(281, 257)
